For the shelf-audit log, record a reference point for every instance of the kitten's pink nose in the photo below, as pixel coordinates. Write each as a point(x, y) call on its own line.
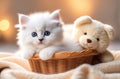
point(41, 40)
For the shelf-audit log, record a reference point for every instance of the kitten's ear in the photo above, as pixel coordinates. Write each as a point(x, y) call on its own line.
point(55, 15)
point(23, 19)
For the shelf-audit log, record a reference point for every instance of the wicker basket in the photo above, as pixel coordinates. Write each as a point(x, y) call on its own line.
point(61, 62)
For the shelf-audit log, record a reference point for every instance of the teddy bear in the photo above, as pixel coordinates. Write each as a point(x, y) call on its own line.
point(95, 35)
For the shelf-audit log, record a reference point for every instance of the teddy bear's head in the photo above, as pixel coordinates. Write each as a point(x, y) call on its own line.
point(92, 34)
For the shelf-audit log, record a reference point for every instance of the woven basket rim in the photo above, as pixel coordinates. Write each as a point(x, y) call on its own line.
point(68, 55)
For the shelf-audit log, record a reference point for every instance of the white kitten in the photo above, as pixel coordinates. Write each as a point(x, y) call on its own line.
point(42, 33)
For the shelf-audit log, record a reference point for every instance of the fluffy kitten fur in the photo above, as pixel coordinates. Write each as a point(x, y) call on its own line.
point(46, 44)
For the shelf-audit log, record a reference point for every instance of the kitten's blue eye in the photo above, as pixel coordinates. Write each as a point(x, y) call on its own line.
point(34, 34)
point(46, 33)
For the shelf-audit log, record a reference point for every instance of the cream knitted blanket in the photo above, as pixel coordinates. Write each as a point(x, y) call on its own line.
point(12, 67)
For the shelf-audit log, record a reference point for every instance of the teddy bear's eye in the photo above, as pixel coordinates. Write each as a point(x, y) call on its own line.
point(98, 39)
point(85, 33)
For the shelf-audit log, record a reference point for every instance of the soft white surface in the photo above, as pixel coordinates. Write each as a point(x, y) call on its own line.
point(8, 48)
point(114, 45)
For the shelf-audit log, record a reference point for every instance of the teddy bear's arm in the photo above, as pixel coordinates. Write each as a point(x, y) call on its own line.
point(106, 56)
point(103, 57)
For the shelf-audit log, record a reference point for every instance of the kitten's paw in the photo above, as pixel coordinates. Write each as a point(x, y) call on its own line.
point(27, 54)
point(46, 54)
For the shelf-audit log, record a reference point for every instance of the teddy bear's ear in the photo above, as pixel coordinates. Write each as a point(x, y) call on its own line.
point(110, 31)
point(82, 20)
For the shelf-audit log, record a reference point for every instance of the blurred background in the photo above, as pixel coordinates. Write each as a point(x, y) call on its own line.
point(106, 11)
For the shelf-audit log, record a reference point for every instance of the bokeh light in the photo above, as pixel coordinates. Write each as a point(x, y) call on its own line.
point(4, 25)
point(82, 6)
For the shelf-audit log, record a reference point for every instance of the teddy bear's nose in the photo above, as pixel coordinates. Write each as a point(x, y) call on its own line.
point(89, 41)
